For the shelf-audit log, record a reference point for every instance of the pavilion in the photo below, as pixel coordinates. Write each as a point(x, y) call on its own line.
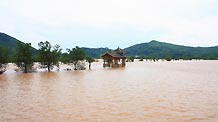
point(115, 58)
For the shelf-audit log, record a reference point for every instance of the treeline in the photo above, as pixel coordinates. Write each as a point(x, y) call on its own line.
point(169, 58)
point(152, 58)
point(48, 55)
point(176, 57)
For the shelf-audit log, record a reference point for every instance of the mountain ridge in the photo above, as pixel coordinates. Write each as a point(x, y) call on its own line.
point(162, 50)
point(10, 42)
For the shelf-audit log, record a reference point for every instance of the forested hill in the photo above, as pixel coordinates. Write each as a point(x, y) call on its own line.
point(95, 52)
point(155, 49)
point(10, 43)
point(7, 41)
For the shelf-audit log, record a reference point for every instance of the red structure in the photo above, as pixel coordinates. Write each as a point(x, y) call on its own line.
point(114, 59)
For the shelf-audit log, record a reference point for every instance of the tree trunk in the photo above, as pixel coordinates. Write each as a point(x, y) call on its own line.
point(49, 67)
point(75, 66)
point(25, 68)
point(89, 65)
point(58, 66)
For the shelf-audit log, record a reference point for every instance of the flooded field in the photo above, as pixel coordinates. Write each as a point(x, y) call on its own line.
point(176, 91)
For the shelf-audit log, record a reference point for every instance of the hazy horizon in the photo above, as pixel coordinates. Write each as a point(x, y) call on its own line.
point(102, 23)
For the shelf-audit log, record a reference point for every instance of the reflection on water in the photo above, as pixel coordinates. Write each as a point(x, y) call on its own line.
point(184, 91)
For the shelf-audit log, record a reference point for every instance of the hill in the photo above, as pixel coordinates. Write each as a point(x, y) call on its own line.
point(95, 52)
point(9, 42)
point(155, 49)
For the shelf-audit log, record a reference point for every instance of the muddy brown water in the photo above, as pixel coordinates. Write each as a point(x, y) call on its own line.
point(176, 91)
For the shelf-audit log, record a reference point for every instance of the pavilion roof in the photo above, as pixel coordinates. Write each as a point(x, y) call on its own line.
point(114, 55)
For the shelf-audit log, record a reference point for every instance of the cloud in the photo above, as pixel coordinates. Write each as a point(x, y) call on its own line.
point(188, 22)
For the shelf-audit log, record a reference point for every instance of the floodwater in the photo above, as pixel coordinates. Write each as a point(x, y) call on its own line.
point(176, 91)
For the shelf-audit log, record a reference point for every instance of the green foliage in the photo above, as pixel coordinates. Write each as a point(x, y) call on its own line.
point(76, 54)
point(49, 55)
point(4, 58)
point(24, 56)
point(56, 53)
point(4, 55)
point(130, 59)
point(65, 58)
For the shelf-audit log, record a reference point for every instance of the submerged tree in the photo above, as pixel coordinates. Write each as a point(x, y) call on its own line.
point(141, 59)
point(4, 58)
point(23, 56)
point(64, 58)
point(4, 55)
point(168, 58)
point(49, 55)
point(130, 59)
point(76, 54)
point(90, 60)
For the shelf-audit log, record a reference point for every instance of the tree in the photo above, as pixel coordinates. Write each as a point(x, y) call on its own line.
point(49, 55)
point(4, 58)
point(90, 60)
point(141, 58)
point(130, 59)
point(168, 58)
point(23, 56)
point(64, 58)
point(4, 55)
point(76, 54)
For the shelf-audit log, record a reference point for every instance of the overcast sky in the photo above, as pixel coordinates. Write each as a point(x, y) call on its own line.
point(111, 23)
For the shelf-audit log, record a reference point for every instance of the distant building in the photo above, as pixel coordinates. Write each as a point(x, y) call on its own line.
point(115, 58)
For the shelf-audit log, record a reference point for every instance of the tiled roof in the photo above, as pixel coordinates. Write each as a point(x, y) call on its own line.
point(118, 53)
point(114, 55)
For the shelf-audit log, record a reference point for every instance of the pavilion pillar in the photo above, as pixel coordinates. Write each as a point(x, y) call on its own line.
point(104, 63)
point(123, 62)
